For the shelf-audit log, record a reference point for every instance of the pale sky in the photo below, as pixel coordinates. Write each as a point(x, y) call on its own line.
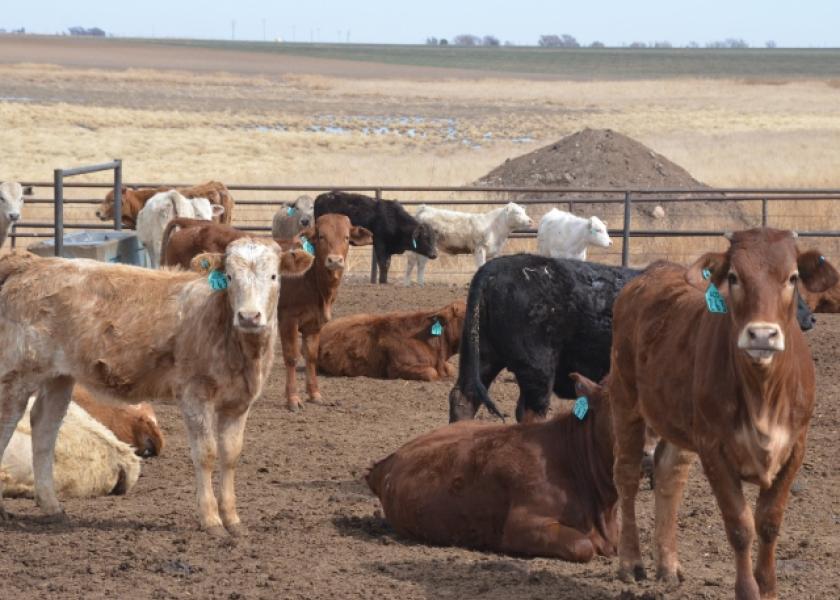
point(615, 22)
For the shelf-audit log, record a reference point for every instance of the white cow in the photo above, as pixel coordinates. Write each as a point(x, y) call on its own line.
point(564, 235)
point(481, 234)
point(89, 459)
point(162, 208)
point(11, 201)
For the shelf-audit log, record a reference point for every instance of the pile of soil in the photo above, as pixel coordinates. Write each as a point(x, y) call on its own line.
point(592, 158)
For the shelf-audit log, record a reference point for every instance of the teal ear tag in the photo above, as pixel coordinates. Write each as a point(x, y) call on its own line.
point(290, 211)
point(706, 273)
point(414, 243)
point(437, 328)
point(307, 245)
point(218, 280)
point(205, 264)
point(581, 407)
point(714, 301)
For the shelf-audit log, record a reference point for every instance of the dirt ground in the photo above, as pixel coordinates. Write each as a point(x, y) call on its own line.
point(317, 532)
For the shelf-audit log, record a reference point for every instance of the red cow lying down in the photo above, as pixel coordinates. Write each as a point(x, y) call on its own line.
point(536, 489)
point(402, 345)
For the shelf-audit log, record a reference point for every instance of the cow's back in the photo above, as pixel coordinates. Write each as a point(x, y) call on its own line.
point(361, 210)
point(350, 347)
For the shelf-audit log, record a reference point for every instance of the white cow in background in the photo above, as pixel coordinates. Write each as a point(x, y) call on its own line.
point(481, 234)
point(89, 459)
point(564, 235)
point(11, 202)
point(162, 208)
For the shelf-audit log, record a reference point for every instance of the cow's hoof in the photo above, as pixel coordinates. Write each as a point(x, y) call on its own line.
point(237, 530)
point(670, 577)
point(316, 398)
point(632, 573)
point(295, 404)
point(4, 516)
point(217, 531)
point(54, 518)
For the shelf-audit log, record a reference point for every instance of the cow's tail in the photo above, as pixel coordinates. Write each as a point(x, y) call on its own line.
point(171, 227)
point(469, 392)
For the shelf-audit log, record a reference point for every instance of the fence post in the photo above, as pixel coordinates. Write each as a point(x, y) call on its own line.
point(764, 212)
point(373, 265)
point(118, 194)
point(571, 206)
point(58, 206)
point(625, 244)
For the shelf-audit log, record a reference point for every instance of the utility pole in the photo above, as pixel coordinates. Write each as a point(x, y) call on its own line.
point(263, 24)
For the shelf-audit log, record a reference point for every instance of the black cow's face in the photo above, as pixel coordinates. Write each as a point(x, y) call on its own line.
point(424, 240)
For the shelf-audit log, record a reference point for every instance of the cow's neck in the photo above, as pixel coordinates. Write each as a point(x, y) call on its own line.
point(325, 282)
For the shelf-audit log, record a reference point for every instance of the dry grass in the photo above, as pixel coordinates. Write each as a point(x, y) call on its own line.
point(174, 126)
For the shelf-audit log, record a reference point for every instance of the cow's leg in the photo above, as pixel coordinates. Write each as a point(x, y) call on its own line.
point(46, 416)
point(384, 266)
point(410, 263)
point(529, 534)
point(480, 256)
point(290, 343)
point(629, 428)
point(13, 398)
point(200, 417)
point(422, 261)
point(231, 426)
point(770, 509)
point(671, 468)
point(311, 341)
point(737, 518)
point(535, 388)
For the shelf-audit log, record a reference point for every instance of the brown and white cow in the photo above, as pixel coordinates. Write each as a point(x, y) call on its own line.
point(134, 199)
point(536, 489)
point(401, 345)
point(735, 387)
point(306, 302)
point(209, 345)
point(184, 239)
point(134, 424)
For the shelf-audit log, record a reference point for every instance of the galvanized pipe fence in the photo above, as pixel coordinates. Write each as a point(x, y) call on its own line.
point(561, 197)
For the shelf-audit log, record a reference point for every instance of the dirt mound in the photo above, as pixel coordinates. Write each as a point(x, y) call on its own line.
point(592, 158)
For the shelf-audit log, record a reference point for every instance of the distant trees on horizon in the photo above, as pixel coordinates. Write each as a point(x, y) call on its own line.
point(565, 40)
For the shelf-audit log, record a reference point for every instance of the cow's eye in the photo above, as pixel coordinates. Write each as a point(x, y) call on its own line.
point(732, 278)
point(274, 277)
point(229, 278)
point(794, 278)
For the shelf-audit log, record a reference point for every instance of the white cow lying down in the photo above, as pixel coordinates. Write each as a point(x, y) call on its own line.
point(564, 235)
point(89, 459)
point(481, 234)
point(162, 208)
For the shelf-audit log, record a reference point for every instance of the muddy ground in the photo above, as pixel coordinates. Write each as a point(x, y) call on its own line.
point(316, 531)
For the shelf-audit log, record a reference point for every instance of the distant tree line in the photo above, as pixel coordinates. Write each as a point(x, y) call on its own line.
point(565, 40)
point(90, 31)
point(20, 31)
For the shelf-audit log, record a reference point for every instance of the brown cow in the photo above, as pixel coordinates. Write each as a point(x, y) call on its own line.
point(134, 199)
point(207, 342)
point(134, 424)
point(536, 489)
point(402, 345)
point(194, 236)
point(306, 302)
point(737, 388)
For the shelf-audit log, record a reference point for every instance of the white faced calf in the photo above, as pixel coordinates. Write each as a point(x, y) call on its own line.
point(11, 202)
point(564, 235)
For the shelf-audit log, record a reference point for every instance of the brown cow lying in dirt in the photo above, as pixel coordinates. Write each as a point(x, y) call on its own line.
point(134, 199)
point(726, 374)
point(134, 424)
point(401, 345)
point(306, 302)
point(535, 489)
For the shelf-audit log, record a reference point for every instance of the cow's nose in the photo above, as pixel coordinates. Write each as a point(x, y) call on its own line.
point(14, 217)
point(249, 318)
point(305, 221)
point(335, 262)
point(765, 336)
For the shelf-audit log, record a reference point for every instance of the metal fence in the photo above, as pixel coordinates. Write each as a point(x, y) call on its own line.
point(622, 201)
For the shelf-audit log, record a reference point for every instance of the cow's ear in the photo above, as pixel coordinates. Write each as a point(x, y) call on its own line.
point(310, 233)
point(711, 267)
point(585, 386)
point(217, 210)
point(295, 263)
point(206, 262)
point(359, 236)
point(815, 272)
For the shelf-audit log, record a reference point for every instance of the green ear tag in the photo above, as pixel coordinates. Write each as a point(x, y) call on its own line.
point(714, 301)
point(290, 211)
point(581, 407)
point(218, 280)
point(706, 273)
point(307, 245)
point(414, 243)
point(437, 328)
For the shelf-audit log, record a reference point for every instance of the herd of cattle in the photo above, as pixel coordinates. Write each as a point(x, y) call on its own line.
point(665, 363)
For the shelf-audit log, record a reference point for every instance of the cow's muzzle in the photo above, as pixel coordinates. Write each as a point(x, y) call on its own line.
point(249, 320)
point(761, 341)
point(14, 217)
point(334, 262)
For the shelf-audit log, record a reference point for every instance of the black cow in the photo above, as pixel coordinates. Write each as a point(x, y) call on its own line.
point(394, 230)
point(540, 318)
